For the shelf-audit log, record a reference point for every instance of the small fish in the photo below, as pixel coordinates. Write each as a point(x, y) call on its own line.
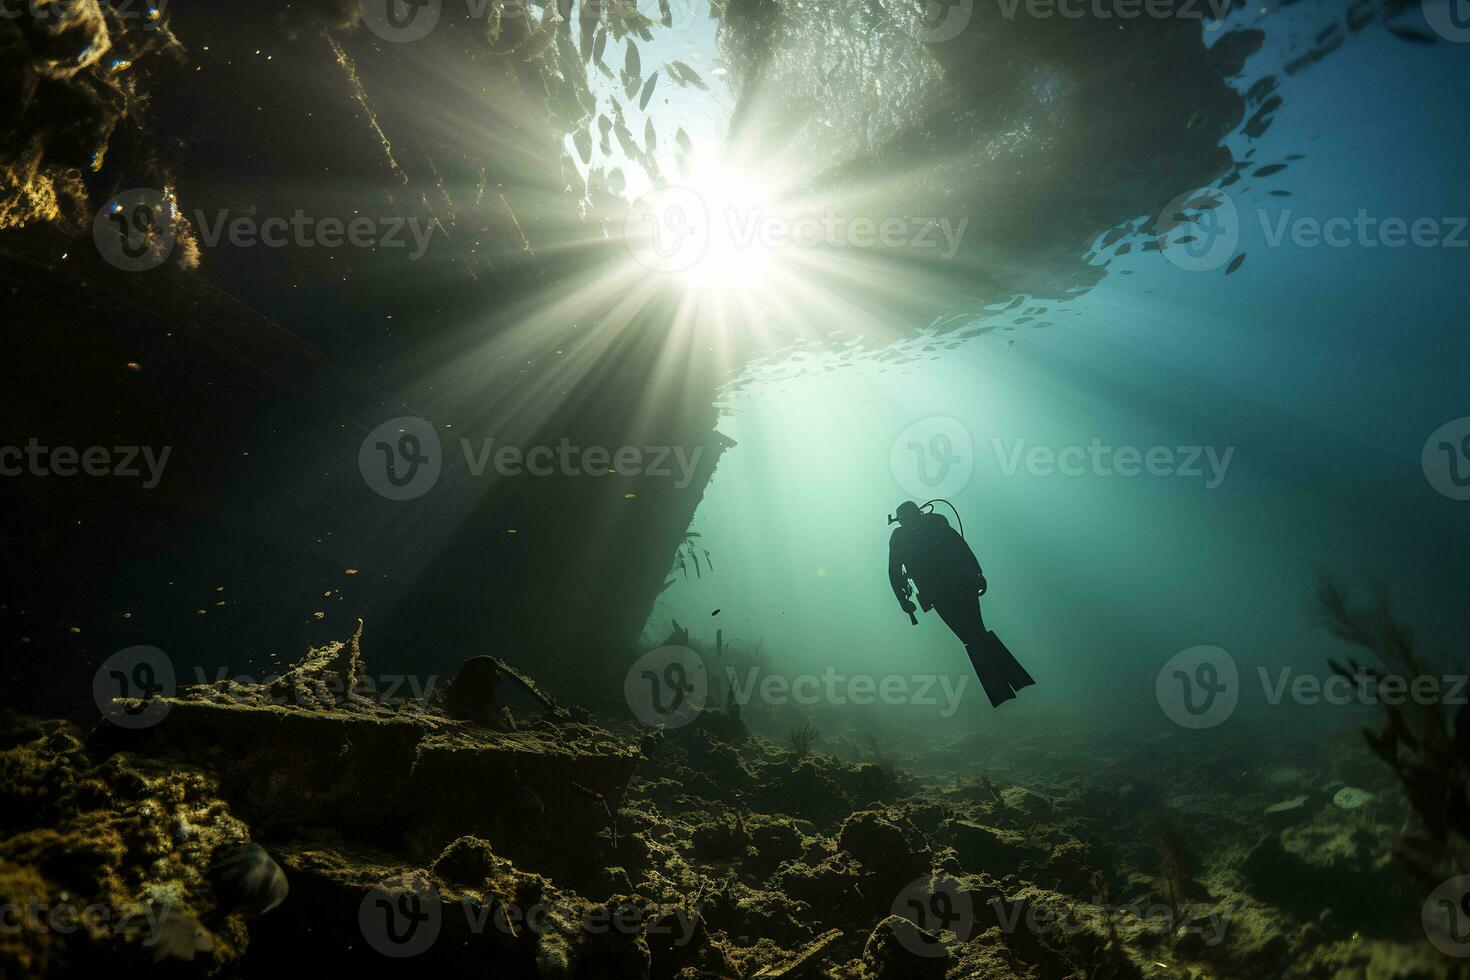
point(245, 877)
point(716, 612)
point(1269, 169)
point(648, 88)
point(1235, 263)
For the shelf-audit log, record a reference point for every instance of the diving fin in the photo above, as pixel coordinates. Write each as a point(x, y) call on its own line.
point(1010, 666)
point(992, 674)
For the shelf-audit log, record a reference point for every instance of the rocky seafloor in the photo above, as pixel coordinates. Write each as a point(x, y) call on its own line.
point(396, 836)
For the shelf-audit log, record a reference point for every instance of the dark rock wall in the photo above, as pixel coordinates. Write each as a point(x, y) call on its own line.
point(263, 369)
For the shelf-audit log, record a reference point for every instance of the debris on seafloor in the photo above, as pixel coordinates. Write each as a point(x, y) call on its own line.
point(311, 807)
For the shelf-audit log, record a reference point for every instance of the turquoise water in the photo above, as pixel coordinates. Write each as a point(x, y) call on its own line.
point(1315, 374)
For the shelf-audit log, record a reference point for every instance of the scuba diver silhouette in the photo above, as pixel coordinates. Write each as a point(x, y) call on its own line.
point(927, 550)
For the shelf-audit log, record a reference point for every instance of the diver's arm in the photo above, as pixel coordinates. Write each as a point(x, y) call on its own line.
point(898, 580)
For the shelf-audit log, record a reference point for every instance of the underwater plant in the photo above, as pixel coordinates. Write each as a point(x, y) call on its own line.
point(1177, 868)
point(1423, 742)
point(802, 739)
point(688, 553)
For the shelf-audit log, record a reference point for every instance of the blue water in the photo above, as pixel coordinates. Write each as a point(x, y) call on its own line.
point(1325, 369)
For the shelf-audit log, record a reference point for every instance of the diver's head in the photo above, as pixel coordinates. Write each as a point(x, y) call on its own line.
point(907, 513)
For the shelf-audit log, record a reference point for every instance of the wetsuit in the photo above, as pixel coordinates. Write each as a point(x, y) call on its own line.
point(948, 577)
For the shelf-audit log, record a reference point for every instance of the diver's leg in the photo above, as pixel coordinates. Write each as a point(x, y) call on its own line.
point(962, 615)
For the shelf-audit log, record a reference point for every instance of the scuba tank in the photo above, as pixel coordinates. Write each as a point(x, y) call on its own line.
point(893, 519)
